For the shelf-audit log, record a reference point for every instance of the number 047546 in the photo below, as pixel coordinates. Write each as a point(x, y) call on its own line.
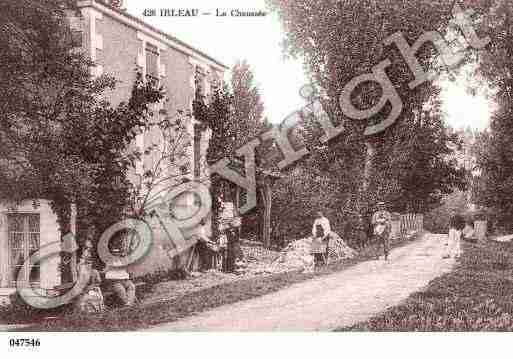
point(24, 342)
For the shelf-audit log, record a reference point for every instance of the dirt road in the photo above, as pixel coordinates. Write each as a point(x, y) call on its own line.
point(331, 301)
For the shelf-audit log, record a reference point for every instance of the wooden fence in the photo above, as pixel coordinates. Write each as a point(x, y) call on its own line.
point(403, 223)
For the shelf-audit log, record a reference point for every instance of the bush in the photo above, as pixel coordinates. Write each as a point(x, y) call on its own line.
point(438, 219)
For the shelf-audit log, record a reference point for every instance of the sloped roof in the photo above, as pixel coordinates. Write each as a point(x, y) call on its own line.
point(154, 29)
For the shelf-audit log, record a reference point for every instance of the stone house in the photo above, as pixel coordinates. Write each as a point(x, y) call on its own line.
point(118, 43)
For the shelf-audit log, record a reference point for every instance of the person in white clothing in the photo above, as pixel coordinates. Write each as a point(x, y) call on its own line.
point(323, 222)
point(321, 231)
point(381, 221)
point(453, 244)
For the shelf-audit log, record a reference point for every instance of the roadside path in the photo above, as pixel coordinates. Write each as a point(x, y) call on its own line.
point(331, 301)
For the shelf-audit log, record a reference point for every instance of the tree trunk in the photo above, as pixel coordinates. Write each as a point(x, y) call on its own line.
point(367, 170)
point(73, 230)
point(363, 195)
point(236, 201)
point(215, 192)
point(236, 208)
point(267, 201)
point(260, 213)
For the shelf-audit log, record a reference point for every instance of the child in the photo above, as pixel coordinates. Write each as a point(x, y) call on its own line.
point(318, 246)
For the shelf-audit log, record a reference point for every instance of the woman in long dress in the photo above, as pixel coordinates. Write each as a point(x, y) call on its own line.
point(453, 244)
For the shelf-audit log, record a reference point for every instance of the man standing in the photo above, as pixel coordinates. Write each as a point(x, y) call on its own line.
point(229, 227)
point(321, 231)
point(381, 221)
point(233, 244)
point(206, 248)
point(362, 230)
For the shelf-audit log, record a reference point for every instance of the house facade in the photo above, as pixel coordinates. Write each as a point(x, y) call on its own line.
point(24, 228)
point(120, 45)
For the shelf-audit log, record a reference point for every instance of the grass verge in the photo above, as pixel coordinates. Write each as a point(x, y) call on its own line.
point(143, 316)
point(476, 296)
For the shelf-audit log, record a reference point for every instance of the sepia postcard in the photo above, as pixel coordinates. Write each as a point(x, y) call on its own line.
point(255, 166)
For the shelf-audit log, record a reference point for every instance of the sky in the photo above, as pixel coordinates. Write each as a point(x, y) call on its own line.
point(258, 41)
point(463, 109)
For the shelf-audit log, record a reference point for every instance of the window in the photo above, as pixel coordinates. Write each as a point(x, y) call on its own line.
point(76, 38)
point(152, 60)
point(199, 78)
point(24, 236)
point(216, 84)
point(75, 34)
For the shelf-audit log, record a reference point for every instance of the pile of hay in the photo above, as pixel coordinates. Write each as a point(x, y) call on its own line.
point(338, 249)
point(258, 254)
point(296, 256)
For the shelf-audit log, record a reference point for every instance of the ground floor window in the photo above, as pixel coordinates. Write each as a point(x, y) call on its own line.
point(24, 238)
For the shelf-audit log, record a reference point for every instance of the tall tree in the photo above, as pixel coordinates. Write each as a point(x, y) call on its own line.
point(247, 104)
point(494, 148)
point(234, 115)
point(248, 109)
point(215, 116)
point(418, 163)
point(348, 42)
